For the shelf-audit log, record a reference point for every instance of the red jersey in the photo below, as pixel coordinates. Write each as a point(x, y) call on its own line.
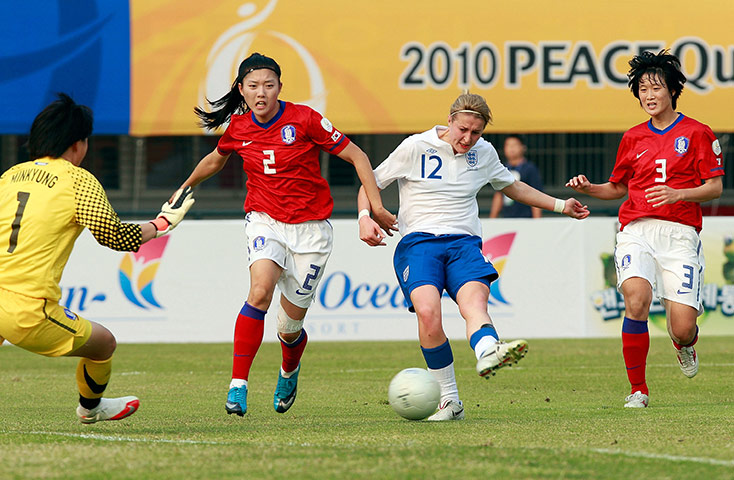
point(681, 156)
point(281, 160)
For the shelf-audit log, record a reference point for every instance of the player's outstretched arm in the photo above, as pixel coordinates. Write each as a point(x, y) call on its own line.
point(524, 193)
point(354, 155)
point(173, 211)
point(602, 191)
point(369, 231)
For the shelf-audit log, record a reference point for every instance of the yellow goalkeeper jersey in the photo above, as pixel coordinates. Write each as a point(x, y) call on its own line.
point(44, 206)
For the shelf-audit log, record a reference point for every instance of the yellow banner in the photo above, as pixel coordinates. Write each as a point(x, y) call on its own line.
point(386, 66)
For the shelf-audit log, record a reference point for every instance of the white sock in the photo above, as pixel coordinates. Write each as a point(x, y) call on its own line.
point(447, 381)
point(237, 383)
point(285, 374)
point(484, 344)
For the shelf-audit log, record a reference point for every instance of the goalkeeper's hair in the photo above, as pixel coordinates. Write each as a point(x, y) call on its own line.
point(471, 103)
point(233, 102)
point(662, 67)
point(62, 123)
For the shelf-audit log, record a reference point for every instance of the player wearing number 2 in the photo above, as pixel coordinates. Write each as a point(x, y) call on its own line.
point(439, 174)
point(287, 206)
point(44, 206)
point(666, 166)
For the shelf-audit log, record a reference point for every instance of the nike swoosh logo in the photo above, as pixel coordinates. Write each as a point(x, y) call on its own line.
point(679, 292)
point(299, 292)
point(287, 404)
point(129, 410)
point(641, 154)
point(93, 386)
point(244, 144)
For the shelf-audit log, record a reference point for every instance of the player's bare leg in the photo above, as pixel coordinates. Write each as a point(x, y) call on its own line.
point(293, 339)
point(437, 351)
point(248, 331)
point(93, 374)
point(636, 338)
point(491, 354)
point(683, 332)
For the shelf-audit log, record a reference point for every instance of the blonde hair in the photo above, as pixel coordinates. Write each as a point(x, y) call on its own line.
point(471, 103)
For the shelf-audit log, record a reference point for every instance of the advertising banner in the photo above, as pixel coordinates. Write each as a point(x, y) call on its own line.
point(386, 66)
point(371, 67)
point(556, 281)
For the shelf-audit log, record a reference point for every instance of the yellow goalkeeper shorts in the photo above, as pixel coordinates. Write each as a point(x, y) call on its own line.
point(41, 326)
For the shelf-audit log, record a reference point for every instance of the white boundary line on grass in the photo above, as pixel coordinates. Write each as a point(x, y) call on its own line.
point(114, 438)
point(660, 456)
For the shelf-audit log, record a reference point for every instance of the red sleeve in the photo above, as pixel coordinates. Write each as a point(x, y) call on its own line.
point(225, 146)
point(709, 157)
point(325, 135)
point(623, 168)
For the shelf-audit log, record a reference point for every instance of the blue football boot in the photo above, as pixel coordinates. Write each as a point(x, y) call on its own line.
point(285, 391)
point(237, 400)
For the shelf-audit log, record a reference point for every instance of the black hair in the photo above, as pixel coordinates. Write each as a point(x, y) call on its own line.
point(517, 136)
point(232, 102)
point(662, 66)
point(61, 124)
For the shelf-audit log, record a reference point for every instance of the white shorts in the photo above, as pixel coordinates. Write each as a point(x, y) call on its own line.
point(301, 249)
point(666, 254)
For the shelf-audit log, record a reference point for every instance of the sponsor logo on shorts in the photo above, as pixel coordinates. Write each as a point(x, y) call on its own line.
point(681, 145)
point(299, 292)
point(288, 134)
point(683, 292)
point(406, 273)
point(258, 244)
point(69, 314)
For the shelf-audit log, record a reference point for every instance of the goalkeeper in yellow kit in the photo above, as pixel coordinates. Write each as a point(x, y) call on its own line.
point(44, 206)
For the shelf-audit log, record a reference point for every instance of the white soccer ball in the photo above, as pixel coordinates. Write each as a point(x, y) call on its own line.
point(414, 393)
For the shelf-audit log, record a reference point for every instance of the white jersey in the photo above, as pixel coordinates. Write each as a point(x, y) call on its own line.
point(438, 189)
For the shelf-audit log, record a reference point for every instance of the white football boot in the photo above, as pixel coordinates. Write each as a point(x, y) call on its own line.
point(688, 361)
point(636, 400)
point(109, 409)
point(501, 355)
point(449, 410)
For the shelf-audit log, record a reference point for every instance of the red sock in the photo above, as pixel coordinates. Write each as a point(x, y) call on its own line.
point(248, 335)
point(292, 352)
point(635, 345)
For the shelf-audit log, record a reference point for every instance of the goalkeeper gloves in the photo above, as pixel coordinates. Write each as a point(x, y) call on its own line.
point(173, 212)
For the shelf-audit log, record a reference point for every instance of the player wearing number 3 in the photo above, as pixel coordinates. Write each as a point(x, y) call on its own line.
point(439, 174)
point(666, 166)
point(288, 202)
point(44, 206)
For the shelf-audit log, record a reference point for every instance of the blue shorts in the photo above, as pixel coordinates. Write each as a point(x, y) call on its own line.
point(444, 261)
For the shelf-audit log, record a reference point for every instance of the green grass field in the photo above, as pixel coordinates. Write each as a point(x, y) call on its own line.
point(557, 414)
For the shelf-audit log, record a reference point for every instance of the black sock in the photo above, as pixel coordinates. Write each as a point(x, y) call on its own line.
point(89, 403)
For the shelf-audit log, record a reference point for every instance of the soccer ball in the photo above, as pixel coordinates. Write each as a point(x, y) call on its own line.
point(414, 393)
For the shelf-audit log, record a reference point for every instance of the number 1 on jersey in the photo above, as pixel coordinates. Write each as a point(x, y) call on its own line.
point(15, 227)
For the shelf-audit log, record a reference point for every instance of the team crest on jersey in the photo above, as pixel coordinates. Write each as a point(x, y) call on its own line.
point(471, 159)
point(716, 147)
point(288, 134)
point(681, 145)
point(258, 243)
point(406, 273)
point(327, 125)
point(626, 260)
